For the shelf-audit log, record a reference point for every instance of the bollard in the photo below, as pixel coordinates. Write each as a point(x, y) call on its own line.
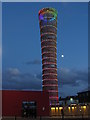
point(15, 117)
point(40, 118)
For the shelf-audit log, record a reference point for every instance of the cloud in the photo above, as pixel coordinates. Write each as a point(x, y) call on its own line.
point(70, 81)
point(72, 77)
point(34, 62)
point(14, 79)
point(13, 71)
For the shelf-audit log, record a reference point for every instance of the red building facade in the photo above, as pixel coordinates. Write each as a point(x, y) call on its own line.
point(12, 102)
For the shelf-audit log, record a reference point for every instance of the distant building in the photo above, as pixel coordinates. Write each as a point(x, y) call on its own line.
point(84, 97)
point(81, 98)
point(68, 100)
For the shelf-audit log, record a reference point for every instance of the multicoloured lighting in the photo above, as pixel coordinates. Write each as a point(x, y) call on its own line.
point(48, 19)
point(47, 63)
point(50, 85)
point(49, 11)
point(48, 53)
point(49, 79)
point(49, 74)
point(48, 26)
point(48, 58)
point(52, 90)
point(48, 47)
point(53, 97)
point(48, 33)
point(47, 40)
point(41, 17)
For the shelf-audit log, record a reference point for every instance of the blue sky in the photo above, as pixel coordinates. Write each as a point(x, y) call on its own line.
point(22, 48)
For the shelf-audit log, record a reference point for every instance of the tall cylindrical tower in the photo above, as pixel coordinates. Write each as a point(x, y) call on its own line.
point(48, 32)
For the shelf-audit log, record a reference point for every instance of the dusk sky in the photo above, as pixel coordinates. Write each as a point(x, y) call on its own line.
point(21, 47)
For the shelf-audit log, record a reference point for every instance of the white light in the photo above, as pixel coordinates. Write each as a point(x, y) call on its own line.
point(62, 56)
point(71, 99)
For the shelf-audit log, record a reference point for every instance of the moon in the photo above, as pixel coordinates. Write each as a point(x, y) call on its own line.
point(62, 56)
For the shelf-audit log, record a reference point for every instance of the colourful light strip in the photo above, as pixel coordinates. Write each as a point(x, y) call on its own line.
point(47, 9)
point(49, 74)
point(49, 53)
point(49, 71)
point(48, 46)
point(48, 33)
point(49, 63)
point(48, 26)
point(45, 23)
point(50, 85)
point(53, 97)
point(49, 68)
point(48, 40)
point(50, 80)
point(54, 104)
point(48, 18)
point(41, 17)
point(51, 12)
point(52, 90)
point(49, 58)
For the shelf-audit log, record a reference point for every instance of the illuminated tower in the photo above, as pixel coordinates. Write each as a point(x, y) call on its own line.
point(48, 32)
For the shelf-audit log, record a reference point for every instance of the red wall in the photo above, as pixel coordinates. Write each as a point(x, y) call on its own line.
point(12, 102)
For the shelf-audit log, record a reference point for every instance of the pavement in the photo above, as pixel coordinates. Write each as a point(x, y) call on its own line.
point(44, 118)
